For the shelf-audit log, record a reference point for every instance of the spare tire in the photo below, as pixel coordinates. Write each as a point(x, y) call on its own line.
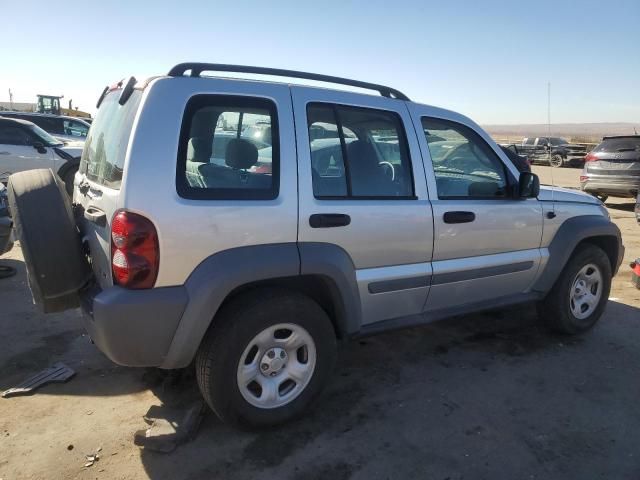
point(56, 266)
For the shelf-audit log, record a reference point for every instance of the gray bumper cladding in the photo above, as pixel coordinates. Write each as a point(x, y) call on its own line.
point(134, 327)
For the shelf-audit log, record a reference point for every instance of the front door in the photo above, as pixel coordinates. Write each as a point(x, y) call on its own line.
point(362, 188)
point(17, 152)
point(486, 244)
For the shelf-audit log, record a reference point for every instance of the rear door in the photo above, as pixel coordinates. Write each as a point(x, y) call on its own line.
point(100, 177)
point(362, 188)
point(486, 244)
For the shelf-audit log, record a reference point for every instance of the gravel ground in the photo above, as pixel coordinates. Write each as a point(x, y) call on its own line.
point(481, 396)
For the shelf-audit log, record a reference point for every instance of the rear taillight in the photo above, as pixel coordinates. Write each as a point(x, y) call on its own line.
point(591, 157)
point(135, 255)
point(584, 178)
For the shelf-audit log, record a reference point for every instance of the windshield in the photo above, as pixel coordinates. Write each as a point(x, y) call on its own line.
point(47, 139)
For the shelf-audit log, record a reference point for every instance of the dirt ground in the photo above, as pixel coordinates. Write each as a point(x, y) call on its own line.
point(482, 396)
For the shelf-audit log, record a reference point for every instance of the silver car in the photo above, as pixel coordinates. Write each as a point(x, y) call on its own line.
point(365, 213)
point(613, 168)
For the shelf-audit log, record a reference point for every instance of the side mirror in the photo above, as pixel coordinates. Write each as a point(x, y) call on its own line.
point(39, 146)
point(528, 185)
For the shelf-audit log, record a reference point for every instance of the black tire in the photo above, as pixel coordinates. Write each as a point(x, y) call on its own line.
point(555, 310)
point(556, 161)
point(236, 325)
point(43, 222)
point(67, 178)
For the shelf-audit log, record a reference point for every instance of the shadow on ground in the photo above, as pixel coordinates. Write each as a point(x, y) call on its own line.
point(482, 396)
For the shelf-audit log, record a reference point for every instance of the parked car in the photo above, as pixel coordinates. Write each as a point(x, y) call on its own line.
point(613, 168)
point(25, 146)
point(554, 151)
point(67, 129)
point(6, 235)
point(255, 276)
point(520, 161)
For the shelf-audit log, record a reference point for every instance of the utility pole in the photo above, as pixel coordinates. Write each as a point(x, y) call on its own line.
point(10, 100)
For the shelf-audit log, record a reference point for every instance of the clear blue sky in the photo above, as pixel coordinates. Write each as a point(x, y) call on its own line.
point(489, 60)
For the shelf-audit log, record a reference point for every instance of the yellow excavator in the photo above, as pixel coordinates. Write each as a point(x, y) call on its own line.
point(51, 104)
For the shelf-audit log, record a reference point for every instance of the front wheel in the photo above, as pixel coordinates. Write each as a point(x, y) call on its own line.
point(580, 294)
point(266, 358)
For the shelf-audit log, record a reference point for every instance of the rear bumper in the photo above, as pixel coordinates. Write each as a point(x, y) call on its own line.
point(134, 328)
point(618, 186)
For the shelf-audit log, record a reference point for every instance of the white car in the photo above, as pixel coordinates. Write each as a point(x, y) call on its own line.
point(71, 130)
point(25, 146)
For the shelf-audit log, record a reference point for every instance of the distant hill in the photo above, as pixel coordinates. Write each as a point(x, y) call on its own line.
point(575, 132)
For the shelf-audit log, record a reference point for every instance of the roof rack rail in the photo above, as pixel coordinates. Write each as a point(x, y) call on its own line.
point(196, 69)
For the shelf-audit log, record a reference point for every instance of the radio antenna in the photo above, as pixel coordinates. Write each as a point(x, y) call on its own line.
point(553, 183)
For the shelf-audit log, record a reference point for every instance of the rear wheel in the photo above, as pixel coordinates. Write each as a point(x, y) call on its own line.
point(556, 161)
point(266, 358)
point(580, 294)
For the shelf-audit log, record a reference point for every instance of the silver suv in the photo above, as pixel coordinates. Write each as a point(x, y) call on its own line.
point(192, 240)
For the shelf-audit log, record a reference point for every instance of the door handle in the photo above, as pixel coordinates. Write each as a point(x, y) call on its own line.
point(459, 217)
point(95, 215)
point(329, 220)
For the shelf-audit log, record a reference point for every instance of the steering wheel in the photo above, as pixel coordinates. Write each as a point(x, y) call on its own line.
point(389, 170)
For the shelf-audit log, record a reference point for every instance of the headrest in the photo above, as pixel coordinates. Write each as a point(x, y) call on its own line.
point(199, 149)
point(241, 154)
point(362, 154)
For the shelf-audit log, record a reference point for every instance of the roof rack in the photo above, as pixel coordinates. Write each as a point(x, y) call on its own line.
point(196, 69)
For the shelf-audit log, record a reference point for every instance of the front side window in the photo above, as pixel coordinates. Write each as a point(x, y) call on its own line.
point(463, 163)
point(12, 135)
point(358, 153)
point(228, 149)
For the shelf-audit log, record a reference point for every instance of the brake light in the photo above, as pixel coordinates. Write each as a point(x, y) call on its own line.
point(591, 157)
point(135, 255)
point(584, 178)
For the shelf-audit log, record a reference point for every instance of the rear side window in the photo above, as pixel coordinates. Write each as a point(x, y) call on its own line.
point(106, 146)
point(619, 145)
point(358, 153)
point(228, 149)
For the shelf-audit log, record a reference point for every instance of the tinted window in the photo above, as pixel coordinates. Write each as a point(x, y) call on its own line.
point(358, 152)
point(619, 145)
point(12, 135)
point(529, 141)
point(106, 146)
point(463, 163)
point(221, 157)
point(49, 124)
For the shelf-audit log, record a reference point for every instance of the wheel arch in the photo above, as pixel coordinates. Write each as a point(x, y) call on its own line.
point(573, 233)
point(316, 270)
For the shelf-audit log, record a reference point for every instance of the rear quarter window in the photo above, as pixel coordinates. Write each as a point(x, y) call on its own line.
point(106, 145)
point(220, 157)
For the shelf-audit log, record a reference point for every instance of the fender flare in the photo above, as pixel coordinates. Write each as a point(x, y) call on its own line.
point(573, 231)
point(220, 274)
